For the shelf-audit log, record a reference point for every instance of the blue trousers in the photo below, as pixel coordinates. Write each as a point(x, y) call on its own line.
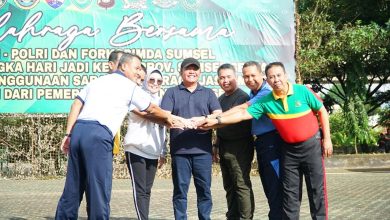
point(199, 165)
point(268, 150)
point(89, 170)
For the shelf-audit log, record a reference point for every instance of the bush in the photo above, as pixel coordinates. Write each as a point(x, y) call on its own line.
point(343, 140)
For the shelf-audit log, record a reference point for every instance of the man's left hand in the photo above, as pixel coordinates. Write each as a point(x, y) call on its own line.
point(327, 147)
point(207, 123)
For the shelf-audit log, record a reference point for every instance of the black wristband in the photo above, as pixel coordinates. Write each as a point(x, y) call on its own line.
point(68, 135)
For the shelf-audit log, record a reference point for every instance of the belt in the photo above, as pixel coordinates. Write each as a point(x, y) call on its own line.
point(266, 133)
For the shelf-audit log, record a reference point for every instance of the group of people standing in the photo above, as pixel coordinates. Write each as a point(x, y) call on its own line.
point(284, 130)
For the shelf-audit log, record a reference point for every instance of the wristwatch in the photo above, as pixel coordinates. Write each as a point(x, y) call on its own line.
point(219, 120)
point(68, 135)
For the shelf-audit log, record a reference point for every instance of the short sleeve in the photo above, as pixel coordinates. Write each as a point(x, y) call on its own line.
point(82, 96)
point(263, 92)
point(313, 102)
point(214, 103)
point(256, 110)
point(132, 107)
point(140, 99)
point(167, 100)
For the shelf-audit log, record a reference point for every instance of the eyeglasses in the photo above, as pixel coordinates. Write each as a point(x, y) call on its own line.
point(153, 81)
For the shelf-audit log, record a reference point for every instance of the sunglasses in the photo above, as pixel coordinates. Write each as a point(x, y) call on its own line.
point(153, 81)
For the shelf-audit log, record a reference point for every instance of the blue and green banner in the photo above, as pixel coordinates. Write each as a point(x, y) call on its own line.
point(50, 49)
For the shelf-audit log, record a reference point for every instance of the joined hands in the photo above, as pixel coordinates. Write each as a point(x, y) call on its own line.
point(190, 123)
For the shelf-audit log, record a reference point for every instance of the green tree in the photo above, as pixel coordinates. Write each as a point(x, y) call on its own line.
point(347, 11)
point(354, 57)
point(384, 117)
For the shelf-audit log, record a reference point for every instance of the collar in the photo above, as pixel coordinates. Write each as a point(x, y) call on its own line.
point(198, 86)
point(261, 87)
point(290, 91)
point(119, 72)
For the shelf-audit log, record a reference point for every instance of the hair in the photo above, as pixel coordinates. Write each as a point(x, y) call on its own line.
point(127, 57)
point(114, 55)
point(226, 66)
point(143, 68)
point(270, 65)
point(252, 63)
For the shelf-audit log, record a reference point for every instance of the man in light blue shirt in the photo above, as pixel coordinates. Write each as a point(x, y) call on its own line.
point(267, 141)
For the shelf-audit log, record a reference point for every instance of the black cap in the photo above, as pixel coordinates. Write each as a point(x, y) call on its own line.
point(189, 61)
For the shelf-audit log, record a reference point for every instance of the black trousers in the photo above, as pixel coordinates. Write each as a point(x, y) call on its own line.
point(235, 160)
point(142, 172)
point(304, 159)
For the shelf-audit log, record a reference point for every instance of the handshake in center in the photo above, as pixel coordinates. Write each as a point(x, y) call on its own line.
point(202, 122)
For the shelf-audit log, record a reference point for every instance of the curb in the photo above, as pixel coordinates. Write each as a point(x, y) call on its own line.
point(358, 161)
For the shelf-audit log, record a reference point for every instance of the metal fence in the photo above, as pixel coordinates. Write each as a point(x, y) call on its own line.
point(29, 147)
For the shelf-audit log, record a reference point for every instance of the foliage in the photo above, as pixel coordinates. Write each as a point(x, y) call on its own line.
point(343, 138)
point(384, 117)
point(347, 11)
point(355, 59)
point(351, 55)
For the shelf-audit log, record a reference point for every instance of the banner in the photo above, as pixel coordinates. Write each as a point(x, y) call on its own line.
point(51, 49)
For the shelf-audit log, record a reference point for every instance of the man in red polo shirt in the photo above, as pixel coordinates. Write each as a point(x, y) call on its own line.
point(292, 109)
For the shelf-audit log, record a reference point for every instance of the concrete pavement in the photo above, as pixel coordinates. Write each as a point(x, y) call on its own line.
point(352, 194)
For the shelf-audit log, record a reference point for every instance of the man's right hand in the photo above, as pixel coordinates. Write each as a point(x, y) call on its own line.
point(215, 154)
point(207, 123)
point(65, 144)
point(182, 123)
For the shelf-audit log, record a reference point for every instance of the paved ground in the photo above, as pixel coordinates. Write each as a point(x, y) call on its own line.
point(353, 194)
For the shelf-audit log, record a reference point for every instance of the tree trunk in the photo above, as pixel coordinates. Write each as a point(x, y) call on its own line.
point(298, 78)
point(356, 150)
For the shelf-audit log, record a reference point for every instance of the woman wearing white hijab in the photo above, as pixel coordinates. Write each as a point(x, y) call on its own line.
point(145, 147)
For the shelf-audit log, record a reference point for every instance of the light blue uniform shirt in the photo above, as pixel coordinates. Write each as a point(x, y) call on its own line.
point(263, 124)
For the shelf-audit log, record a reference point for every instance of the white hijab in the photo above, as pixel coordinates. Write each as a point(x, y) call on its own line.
point(145, 86)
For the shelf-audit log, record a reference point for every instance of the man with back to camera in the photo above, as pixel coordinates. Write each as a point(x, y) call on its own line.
point(292, 109)
point(235, 148)
point(191, 149)
point(96, 114)
point(113, 60)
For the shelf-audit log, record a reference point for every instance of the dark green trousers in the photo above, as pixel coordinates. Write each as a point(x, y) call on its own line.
point(235, 160)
